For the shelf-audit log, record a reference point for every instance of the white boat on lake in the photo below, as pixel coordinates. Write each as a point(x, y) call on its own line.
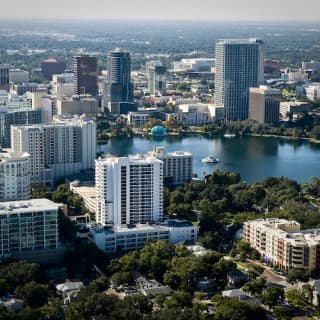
point(210, 159)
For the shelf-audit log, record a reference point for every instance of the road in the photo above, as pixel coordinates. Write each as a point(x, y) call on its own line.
point(270, 275)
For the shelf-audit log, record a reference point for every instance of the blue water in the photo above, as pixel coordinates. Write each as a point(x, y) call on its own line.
point(253, 157)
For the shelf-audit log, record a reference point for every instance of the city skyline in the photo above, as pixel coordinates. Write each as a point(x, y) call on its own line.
point(244, 10)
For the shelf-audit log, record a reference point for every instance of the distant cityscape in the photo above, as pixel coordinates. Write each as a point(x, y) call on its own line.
point(59, 194)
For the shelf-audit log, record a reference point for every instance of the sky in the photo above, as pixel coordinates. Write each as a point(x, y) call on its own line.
point(208, 10)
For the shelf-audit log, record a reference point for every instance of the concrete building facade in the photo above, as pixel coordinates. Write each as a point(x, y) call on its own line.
point(77, 105)
point(264, 104)
point(282, 243)
point(15, 175)
point(129, 190)
point(57, 150)
point(28, 226)
point(177, 166)
point(133, 237)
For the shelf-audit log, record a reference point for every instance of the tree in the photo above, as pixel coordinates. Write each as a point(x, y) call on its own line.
point(281, 313)
point(39, 191)
point(229, 309)
point(152, 122)
point(137, 307)
point(271, 296)
point(296, 298)
point(121, 277)
point(179, 299)
point(53, 309)
point(255, 287)
point(33, 294)
point(19, 273)
point(295, 275)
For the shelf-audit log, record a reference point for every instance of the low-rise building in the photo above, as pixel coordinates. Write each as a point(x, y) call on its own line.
point(282, 243)
point(18, 76)
point(131, 237)
point(87, 193)
point(189, 118)
point(294, 75)
point(194, 64)
point(138, 119)
point(11, 303)
point(69, 290)
point(77, 104)
point(293, 107)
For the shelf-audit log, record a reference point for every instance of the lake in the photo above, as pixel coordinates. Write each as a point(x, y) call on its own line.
point(253, 157)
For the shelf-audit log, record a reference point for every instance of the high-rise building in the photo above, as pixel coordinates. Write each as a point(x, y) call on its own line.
point(239, 66)
point(4, 77)
point(21, 116)
point(15, 183)
point(156, 73)
point(129, 190)
point(264, 104)
point(52, 66)
point(85, 75)
point(177, 166)
point(57, 150)
point(119, 87)
point(28, 226)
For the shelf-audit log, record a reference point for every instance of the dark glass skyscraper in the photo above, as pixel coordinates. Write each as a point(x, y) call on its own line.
point(239, 66)
point(85, 75)
point(119, 87)
point(4, 77)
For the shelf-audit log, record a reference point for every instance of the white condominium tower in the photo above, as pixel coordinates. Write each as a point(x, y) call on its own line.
point(15, 183)
point(129, 190)
point(57, 150)
point(177, 166)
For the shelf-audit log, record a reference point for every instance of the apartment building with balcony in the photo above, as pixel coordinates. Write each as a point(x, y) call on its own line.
point(282, 243)
point(15, 175)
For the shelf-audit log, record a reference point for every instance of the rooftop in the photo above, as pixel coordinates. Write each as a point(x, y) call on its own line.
point(240, 41)
point(33, 205)
point(7, 155)
point(127, 228)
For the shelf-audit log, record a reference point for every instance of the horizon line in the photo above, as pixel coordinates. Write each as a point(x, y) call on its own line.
point(168, 20)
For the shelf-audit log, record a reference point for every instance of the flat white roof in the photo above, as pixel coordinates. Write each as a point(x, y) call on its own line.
point(27, 206)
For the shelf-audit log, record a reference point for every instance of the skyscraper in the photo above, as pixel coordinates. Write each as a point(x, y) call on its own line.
point(53, 66)
point(129, 190)
point(4, 77)
point(239, 66)
point(156, 73)
point(119, 87)
point(85, 75)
